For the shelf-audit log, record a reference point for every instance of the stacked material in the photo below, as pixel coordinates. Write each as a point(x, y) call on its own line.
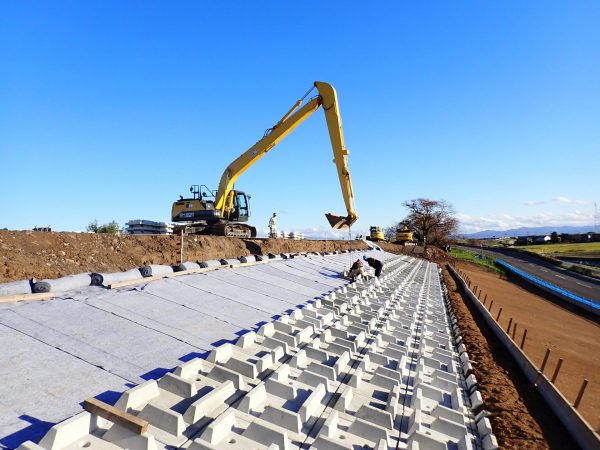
point(296, 235)
point(369, 365)
point(140, 226)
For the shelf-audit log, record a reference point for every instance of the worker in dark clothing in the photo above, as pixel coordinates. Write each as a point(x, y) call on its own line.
point(375, 264)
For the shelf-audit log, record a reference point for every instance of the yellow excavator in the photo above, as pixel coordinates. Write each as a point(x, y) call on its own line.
point(375, 234)
point(226, 213)
point(404, 236)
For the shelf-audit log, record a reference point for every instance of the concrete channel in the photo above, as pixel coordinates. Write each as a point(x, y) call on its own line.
point(281, 354)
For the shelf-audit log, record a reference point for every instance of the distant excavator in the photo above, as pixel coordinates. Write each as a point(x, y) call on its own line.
point(375, 234)
point(226, 214)
point(404, 236)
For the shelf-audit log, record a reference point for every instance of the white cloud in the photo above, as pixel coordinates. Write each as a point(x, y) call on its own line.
point(533, 202)
point(567, 200)
point(471, 224)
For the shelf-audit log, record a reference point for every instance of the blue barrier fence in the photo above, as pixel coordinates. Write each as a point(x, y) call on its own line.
point(549, 286)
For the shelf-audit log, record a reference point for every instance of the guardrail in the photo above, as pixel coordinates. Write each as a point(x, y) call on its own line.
point(576, 300)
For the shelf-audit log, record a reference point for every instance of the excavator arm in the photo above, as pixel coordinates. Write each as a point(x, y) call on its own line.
point(327, 98)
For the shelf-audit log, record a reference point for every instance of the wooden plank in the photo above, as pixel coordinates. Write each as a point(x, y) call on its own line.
point(27, 297)
point(115, 415)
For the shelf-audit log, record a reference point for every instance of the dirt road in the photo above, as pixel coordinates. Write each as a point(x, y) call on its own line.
point(550, 325)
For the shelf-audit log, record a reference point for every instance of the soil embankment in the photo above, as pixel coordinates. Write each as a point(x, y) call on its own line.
point(28, 254)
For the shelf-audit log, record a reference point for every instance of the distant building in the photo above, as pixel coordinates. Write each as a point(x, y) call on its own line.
point(529, 240)
point(541, 239)
point(524, 240)
point(140, 226)
point(576, 238)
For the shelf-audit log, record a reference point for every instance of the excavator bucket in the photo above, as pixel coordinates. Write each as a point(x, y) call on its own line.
point(339, 222)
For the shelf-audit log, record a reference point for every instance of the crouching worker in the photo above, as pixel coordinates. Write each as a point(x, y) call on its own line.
point(375, 264)
point(357, 270)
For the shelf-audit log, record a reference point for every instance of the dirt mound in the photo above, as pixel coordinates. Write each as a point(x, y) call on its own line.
point(430, 253)
point(28, 254)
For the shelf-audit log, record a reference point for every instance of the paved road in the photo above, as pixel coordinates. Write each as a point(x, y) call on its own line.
point(580, 285)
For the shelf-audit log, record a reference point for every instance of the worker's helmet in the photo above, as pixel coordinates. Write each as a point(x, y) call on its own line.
point(365, 257)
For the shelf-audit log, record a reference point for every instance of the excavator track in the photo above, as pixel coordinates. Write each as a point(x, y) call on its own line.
point(233, 230)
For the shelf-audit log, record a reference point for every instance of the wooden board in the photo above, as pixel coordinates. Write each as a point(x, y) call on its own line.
point(27, 297)
point(115, 415)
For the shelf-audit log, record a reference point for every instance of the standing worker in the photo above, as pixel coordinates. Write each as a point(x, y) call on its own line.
point(273, 226)
point(375, 264)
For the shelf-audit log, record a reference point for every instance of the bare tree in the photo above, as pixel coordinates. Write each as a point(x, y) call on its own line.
point(432, 220)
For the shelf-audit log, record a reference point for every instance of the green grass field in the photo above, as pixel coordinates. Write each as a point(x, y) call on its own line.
point(586, 249)
point(476, 258)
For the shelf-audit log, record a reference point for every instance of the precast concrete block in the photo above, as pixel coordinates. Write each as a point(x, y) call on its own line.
point(190, 369)
point(67, 432)
point(136, 397)
point(126, 439)
point(282, 417)
point(218, 429)
point(163, 418)
point(177, 385)
point(254, 400)
point(206, 404)
point(490, 442)
point(263, 432)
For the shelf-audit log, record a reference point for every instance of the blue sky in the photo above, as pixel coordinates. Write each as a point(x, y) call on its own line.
point(110, 110)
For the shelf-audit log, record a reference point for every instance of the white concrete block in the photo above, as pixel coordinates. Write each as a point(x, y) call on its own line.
point(221, 353)
point(136, 397)
point(254, 400)
point(67, 432)
point(218, 429)
point(163, 418)
point(209, 402)
point(177, 385)
point(312, 405)
point(191, 369)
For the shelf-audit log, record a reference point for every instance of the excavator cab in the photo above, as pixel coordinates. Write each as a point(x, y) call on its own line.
point(240, 211)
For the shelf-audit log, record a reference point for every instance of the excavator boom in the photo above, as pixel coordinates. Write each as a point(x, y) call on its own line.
point(327, 98)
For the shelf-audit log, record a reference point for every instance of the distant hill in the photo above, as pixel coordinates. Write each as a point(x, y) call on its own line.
point(524, 231)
